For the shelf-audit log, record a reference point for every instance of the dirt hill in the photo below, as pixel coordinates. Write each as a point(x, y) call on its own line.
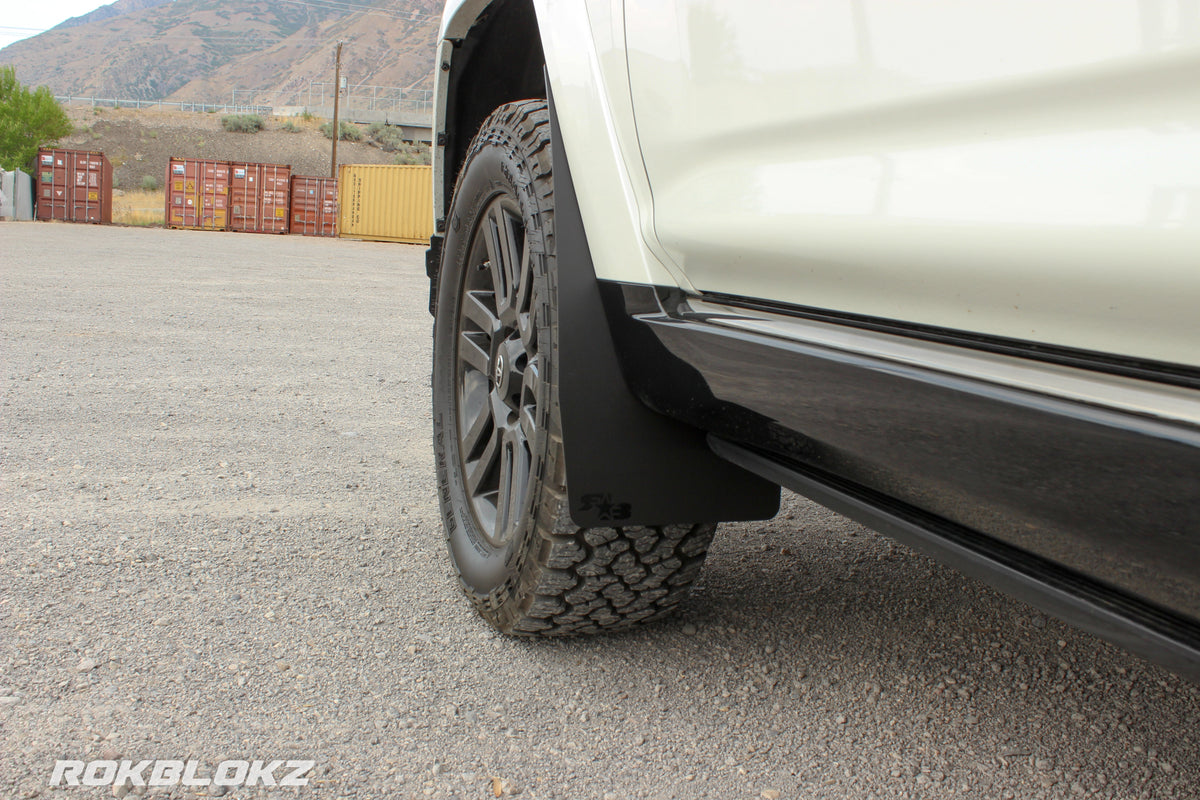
point(198, 50)
point(139, 143)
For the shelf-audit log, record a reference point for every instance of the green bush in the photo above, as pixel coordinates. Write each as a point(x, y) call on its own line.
point(149, 183)
point(389, 137)
point(307, 115)
point(412, 154)
point(347, 131)
point(28, 120)
point(289, 127)
point(242, 123)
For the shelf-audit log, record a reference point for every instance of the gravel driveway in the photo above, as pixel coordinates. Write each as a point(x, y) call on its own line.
point(221, 541)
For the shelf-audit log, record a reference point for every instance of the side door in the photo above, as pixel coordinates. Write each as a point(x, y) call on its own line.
point(1021, 169)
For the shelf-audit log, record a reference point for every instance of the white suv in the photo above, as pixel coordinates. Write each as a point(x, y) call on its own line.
point(935, 265)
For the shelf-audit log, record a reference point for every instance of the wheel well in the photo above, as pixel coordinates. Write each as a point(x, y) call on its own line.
point(499, 61)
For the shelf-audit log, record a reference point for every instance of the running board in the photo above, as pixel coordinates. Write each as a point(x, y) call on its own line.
point(1133, 624)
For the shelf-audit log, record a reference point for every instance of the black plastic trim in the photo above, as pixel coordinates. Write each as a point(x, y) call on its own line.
point(1138, 626)
point(626, 465)
point(1127, 366)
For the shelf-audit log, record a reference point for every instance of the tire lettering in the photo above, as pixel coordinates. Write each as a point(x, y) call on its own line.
point(606, 508)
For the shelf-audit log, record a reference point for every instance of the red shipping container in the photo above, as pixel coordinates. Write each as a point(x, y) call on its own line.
point(197, 194)
point(74, 186)
point(258, 197)
point(314, 205)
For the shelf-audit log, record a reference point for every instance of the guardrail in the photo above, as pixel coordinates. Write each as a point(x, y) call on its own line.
point(409, 110)
point(109, 102)
point(358, 97)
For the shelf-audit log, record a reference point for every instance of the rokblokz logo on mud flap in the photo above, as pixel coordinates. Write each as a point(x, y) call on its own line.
point(171, 772)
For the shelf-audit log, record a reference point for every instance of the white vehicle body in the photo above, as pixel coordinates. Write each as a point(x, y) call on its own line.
point(1023, 169)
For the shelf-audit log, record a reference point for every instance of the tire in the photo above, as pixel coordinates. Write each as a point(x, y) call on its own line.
point(497, 430)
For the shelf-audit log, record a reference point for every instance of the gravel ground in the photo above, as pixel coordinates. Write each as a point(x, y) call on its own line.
point(221, 540)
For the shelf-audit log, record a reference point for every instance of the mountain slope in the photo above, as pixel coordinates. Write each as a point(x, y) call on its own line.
point(199, 50)
point(109, 11)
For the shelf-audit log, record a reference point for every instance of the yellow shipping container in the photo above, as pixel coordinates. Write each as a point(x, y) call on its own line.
point(385, 203)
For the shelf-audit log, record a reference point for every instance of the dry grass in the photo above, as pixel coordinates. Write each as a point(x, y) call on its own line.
point(139, 208)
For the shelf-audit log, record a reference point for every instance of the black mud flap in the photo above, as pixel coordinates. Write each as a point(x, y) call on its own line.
point(627, 464)
point(433, 265)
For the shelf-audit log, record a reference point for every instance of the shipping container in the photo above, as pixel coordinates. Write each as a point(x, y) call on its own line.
point(197, 194)
point(385, 203)
point(16, 195)
point(74, 186)
point(314, 205)
point(258, 197)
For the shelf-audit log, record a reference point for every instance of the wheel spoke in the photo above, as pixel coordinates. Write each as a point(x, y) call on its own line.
point(476, 310)
point(524, 304)
point(480, 427)
point(504, 258)
point(470, 351)
point(504, 496)
point(514, 477)
point(473, 403)
point(528, 423)
point(479, 470)
point(512, 256)
point(495, 251)
point(531, 381)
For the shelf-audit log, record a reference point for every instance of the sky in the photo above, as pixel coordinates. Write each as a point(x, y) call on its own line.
point(23, 18)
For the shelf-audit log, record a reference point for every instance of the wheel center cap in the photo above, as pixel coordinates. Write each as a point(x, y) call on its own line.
point(498, 374)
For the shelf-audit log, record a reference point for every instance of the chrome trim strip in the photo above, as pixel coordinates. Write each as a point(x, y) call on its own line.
point(1174, 403)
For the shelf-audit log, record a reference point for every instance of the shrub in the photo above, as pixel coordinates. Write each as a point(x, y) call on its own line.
point(242, 123)
point(149, 183)
point(307, 116)
point(413, 154)
point(347, 132)
point(289, 127)
point(389, 137)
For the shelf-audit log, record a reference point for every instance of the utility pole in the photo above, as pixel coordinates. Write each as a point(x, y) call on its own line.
point(337, 91)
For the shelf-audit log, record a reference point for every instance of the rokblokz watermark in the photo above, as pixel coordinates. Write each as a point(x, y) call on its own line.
point(172, 772)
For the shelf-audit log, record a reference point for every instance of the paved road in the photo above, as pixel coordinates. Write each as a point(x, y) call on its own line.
point(221, 541)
